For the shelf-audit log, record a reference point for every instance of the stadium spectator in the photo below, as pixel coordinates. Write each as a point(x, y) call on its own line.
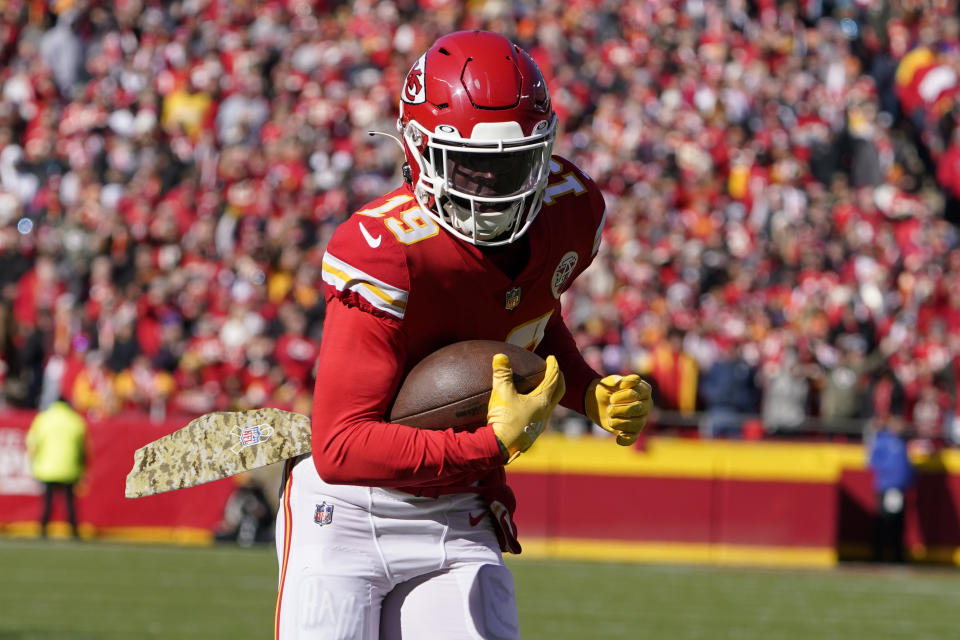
point(93, 391)
point(673, 374)
point(141, 386)
point(786, 390)
point(948, 175)
point(845, 377)
point(729, 392)
point(61, 52)
point(35, 342)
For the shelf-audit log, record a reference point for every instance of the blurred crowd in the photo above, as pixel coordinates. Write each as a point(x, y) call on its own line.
point(782, 179)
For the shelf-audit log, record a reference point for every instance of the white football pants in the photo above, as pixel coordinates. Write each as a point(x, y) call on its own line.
point(365, 563)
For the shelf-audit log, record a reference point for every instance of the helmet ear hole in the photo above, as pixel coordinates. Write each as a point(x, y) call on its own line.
point(407, 173)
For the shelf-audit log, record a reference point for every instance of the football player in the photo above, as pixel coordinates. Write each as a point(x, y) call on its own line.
point(388, 531)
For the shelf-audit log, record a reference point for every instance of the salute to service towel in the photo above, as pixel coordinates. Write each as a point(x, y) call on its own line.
point(217, 445)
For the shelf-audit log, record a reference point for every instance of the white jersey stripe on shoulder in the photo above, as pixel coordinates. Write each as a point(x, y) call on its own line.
point(596, 238)
point(381, 295)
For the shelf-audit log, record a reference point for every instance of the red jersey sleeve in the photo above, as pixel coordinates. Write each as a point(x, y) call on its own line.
point(586, 225)
point(358, 372)
point(577, 374)
point(366, 268)
point(593, 219)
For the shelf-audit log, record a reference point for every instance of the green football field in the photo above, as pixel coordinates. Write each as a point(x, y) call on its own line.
point(99, 591)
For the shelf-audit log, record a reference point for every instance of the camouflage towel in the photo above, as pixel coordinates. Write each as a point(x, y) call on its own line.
point(217, 445)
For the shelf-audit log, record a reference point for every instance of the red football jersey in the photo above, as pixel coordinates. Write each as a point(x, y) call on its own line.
point(398, 287)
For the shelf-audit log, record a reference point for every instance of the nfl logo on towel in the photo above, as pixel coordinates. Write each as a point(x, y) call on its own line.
point(324, 514)
point(250, 436)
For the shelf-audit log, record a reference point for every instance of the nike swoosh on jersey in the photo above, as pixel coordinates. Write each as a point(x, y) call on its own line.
point(373, 242)
point(475, 519)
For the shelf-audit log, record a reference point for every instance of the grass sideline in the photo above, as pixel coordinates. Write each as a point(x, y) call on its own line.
point(105, 591)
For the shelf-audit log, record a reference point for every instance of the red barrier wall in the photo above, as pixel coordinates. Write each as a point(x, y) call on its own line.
point(724, 501)
point(186, 515)
point(688, 510)
point(676, 500)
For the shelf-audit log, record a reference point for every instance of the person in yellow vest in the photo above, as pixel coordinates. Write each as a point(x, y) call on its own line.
point(56, 446)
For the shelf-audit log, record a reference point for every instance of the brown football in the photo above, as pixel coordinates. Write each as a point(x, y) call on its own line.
point(451, 386)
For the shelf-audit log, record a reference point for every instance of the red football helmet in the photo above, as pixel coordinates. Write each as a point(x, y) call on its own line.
point(477, 128)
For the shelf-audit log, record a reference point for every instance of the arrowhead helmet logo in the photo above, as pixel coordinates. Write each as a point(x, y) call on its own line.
point(413, 90)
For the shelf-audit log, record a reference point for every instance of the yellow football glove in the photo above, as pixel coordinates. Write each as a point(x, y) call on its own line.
point(620, 405)
point(518, 419)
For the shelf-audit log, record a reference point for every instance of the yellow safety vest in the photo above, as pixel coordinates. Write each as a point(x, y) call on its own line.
point(55, 444)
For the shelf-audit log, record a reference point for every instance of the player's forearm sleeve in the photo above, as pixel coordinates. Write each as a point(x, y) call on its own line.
point(358, 372)
point(576, 372)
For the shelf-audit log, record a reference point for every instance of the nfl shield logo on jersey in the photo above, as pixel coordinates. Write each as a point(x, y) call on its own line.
point(513, 298)
point(324, 514)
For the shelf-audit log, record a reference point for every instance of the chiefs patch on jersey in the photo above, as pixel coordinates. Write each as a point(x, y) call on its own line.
point(562, 274)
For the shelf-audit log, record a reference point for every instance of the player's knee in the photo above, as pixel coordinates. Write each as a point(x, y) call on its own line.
point(493, 603)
